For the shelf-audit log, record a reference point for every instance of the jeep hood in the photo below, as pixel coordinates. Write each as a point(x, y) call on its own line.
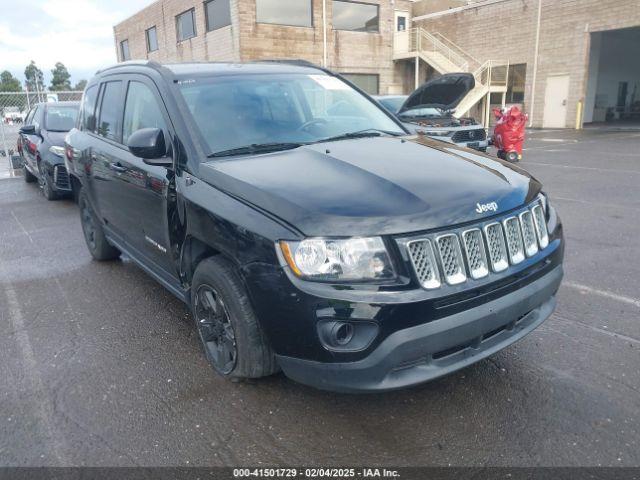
point(372, 186)
point(444, 92)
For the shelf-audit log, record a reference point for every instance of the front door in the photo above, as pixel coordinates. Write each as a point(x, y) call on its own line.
point(555, 102)
point(141, 209)
point(401, 37)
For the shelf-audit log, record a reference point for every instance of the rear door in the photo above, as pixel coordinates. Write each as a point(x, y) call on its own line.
point(106, 152)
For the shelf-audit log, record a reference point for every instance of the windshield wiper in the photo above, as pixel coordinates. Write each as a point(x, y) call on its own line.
point(369, 132)
point(256, 148)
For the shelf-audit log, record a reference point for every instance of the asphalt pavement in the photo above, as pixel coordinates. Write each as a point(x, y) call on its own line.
point(100, 366)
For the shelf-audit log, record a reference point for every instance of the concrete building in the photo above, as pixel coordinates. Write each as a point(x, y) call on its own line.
point(355, 39)
point(565, 61)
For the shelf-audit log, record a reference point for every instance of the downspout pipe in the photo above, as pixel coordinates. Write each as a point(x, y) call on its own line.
point(324, 33)
point(535, 65)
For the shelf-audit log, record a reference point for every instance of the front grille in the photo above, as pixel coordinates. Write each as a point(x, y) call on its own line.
point(424, 263)
point(541, 226)
point(497, 247)
point(473, 135)
point(515, 245)
point(476, 256)
point(528, 234)
point(453, 257)
point(61, 177)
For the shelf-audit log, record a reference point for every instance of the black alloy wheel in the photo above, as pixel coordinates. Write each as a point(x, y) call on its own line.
point(215, 329)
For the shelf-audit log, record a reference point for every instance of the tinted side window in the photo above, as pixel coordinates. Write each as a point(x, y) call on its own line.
point(110, 110)
point(88, 116)
point(141, 110)
point(37, 116)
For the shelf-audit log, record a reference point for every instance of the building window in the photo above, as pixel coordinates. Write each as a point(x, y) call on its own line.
point(124, 50)
point(186, 25)
point(152, 39)
point(515, 84)
point(297, 13)
point(370, 83)
point(217, 13)
point(356, 17)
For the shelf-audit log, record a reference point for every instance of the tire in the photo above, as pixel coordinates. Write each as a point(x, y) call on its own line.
point(512, 157)
point(227, 326)
point(97, 243)
point(47, 189)
point(28, 176)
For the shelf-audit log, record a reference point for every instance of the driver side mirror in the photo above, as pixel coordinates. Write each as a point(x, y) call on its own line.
point(149, 145)
point(28, 130)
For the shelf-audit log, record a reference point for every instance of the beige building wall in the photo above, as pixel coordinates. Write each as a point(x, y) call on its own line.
point(246, 40)
point(507, 30)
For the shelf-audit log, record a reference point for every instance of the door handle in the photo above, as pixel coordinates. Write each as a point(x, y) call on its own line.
point(117, 167)
point(564, 103)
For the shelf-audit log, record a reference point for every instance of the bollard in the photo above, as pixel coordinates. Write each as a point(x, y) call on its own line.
point(579, 115)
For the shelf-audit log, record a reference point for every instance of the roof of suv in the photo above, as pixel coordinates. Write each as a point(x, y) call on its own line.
point(220, 68)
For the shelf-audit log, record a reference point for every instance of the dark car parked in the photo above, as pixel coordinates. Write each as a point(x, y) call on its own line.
point(41, 146)
point(306, 228)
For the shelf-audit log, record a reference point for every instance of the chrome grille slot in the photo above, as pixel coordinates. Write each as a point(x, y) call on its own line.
point(541, 226)
point(424, 263)
point(528, 234)
point(497, 247)
point(451, 258)
point(475, 252)
point(515, 245)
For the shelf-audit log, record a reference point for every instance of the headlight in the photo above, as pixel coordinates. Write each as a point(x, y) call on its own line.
point(341, 260)
point(544, 201)
point(59, 151)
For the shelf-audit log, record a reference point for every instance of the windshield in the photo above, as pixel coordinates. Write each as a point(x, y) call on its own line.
point(392, 104)
point(61, 118)
point(428, 112)
point(237, 111)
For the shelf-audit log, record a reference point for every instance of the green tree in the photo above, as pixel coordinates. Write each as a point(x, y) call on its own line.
point(9, 83)
point(80, 85)
point(34, 79)
point(60, 78)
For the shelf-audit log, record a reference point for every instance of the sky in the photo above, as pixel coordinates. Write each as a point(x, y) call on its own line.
point(78, 33)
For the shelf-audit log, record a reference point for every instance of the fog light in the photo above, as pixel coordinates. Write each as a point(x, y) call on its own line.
point(346, 336)
point(342, 333)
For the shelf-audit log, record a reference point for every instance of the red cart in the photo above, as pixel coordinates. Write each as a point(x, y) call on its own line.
point(508, 134)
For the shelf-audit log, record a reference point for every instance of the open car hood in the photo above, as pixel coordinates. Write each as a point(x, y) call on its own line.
point(444, 92)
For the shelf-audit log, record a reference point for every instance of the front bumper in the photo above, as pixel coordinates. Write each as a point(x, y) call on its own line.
point(421, 353)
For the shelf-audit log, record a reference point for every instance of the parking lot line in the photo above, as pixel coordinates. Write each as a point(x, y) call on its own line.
point(40, 399)
point(602, 331)
point(596, 169)
point(24, 230)
point(599, 204)
point(603, 293)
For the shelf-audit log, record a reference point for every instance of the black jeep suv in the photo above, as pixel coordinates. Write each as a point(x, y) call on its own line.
point(304, 226)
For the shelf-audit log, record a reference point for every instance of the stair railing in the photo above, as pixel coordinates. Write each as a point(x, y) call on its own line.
point(423, 41)
point(451, 44)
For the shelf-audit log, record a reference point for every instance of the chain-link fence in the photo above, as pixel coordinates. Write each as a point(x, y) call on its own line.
point(14, 107)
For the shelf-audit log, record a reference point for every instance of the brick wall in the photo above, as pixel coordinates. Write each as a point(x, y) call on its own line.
point(507, 30)
point(245, 39)
point(217, 45)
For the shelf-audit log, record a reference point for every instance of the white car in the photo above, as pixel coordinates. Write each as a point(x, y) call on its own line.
point(429, 110)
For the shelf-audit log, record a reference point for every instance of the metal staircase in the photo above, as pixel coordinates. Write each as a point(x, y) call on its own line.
point(446, 57)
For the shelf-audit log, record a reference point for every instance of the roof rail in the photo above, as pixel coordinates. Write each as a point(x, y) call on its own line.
point(291, 61)
point(139, 63)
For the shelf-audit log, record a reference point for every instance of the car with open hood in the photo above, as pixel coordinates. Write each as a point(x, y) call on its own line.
point(429, 110)
point(306, 228)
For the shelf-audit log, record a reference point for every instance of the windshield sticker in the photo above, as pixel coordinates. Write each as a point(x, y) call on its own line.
point(329, 83)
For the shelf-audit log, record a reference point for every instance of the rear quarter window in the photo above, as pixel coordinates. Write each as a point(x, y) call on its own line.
point(110, 111)
point(87, 119)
